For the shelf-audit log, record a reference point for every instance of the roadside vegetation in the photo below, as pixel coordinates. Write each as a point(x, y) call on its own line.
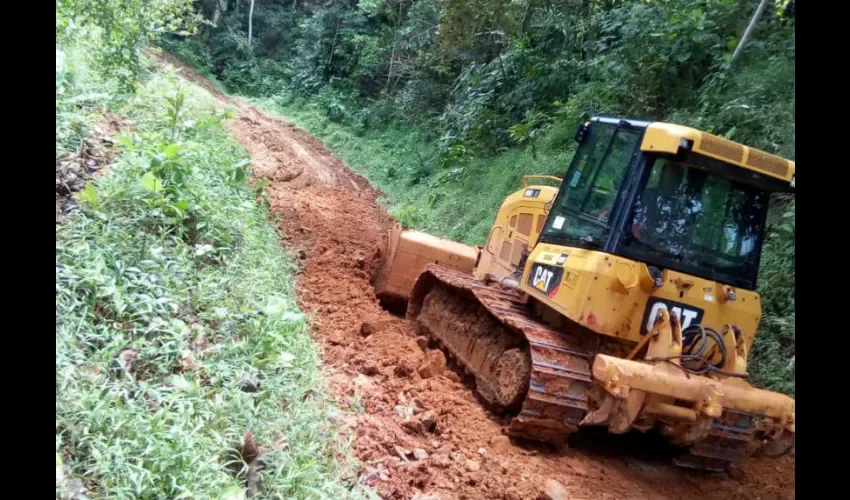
point(184, 368)
point(445, 105)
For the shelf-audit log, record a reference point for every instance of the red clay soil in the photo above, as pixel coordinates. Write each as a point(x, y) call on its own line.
point(430, 437)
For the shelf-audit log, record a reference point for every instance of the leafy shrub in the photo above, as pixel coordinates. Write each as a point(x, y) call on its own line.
point(156, 331)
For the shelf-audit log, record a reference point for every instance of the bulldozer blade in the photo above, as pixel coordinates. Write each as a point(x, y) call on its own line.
point(405, 256)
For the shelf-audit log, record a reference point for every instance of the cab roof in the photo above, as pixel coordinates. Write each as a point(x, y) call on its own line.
point(660, 137)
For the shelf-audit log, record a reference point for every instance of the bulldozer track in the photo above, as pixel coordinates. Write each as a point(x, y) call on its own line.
point(478, 323)
point(559, 381)
point(726, 443)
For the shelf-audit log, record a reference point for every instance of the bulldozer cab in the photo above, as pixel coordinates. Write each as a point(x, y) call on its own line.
point(668, 196)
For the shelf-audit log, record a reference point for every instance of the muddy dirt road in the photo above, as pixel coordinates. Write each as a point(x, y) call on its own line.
point(420, 436)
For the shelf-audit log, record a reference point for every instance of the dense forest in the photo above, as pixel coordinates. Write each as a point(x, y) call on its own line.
point(445, 104)
point(180, 334)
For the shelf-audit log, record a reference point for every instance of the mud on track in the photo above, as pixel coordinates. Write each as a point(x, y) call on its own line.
point(416, 435)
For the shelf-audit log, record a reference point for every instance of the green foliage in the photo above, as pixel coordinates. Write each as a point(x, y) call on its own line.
point(121, 28)
point(80, 95)
point(426, 97)
point(773, 351)
point(171, 291)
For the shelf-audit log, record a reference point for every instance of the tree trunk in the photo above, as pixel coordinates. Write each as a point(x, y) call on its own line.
point(392, 53)
point(333, 48)
point(217, 13)
point(526, 18)
point(748, 32)
point(250, 22)
point(216, 17)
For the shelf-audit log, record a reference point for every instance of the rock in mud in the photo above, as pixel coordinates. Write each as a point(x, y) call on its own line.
point(472, 465)
point(441, 461)
point(445, 449)
point(434, 364)
point(553, 490)
point(369, 368)
point(403, 368)
point(412, 425)
point(367, 328)
point(429, 420)
point(402, 452)
point(423, 480)
point(422, 342)
point(420, 454)
point(403, 411)
point(337, 337)
point(500, 444)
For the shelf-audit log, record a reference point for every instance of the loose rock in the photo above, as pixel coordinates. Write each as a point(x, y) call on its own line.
point(422, 342)
point(403, 368)
point(367, 328)
point(402, 452)
point(429, 420)
point(434, 364)
point(441, 461)
point(369, 368)
point(553, 490)
point(412, 425)
point(500, 444)
point(472, 466)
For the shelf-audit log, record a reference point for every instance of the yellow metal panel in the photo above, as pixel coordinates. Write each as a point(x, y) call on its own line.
point(409, 253)
point(596, 296)
point(666, 380)
point(518, 224)
point(665, 138)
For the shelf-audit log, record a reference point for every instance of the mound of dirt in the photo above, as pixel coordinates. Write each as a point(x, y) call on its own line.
point(427, 437)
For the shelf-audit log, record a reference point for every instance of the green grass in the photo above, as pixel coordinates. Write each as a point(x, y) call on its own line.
point(80, 97)
point(169, 250)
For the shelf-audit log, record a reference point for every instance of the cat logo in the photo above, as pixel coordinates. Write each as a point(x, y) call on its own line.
point(545, 279)
point(687, 314)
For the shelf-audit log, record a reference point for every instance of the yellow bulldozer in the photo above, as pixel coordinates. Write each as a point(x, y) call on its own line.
point(620, 296)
